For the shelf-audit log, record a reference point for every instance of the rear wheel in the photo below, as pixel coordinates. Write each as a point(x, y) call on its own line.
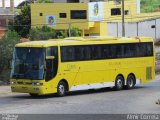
point(130, 82)
point(119, 83)
point(61, 89)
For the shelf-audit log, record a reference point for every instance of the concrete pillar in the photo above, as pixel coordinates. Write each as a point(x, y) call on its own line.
point(11, 5)
point(3, 4)
point(82, 33)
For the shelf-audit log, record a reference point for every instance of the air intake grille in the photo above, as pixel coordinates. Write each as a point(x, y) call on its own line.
point(148, 73)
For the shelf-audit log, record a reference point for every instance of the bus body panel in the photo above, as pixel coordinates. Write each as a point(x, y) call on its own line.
point(89, 74)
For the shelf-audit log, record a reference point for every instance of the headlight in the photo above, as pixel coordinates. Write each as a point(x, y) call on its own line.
point(12, 82)
point(37, 84)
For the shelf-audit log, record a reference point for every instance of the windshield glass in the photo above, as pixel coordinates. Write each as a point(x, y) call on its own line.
point(28, 63)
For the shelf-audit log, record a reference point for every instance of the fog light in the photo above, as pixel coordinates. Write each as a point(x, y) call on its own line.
point(12, 82)
point(37, 84)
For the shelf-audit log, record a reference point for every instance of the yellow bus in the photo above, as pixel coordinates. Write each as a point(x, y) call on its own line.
point(82, 63)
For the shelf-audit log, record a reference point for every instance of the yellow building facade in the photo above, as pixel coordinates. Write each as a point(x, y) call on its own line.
point(90, 17)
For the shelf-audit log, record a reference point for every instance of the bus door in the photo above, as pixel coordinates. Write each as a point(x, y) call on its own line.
point(51, 63)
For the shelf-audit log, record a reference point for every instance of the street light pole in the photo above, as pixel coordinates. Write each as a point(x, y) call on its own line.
point(69, 29)
point(123, 25)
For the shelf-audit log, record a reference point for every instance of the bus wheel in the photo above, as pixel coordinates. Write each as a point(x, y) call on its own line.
point(130, 82)
point(33, 94)
point(61, 89)
point(119, 83)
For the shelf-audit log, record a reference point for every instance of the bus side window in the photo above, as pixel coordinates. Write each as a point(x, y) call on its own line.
point(63, 54)
point(105, 51)
point(87, 52)
point(129, 50)
point(112, 51)
point(96, 52)
point(149, 49)
point(119, 51)
point(132, 50)
point(79, 53)
point(142, 49)
point(68, 53)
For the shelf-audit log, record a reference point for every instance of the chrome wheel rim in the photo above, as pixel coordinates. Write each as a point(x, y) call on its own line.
point(119, 83)
point(61, 89)
point(130, 82)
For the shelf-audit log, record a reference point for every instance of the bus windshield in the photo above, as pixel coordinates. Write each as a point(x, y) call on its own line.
point(28, 63)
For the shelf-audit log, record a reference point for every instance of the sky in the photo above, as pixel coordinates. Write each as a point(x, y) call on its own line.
point(16, 2)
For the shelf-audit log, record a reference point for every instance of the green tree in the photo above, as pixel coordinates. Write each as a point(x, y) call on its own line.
point(75, 32)
point(45, 33)
point(22, 22)
point(41, 33)
point(150, 6)
point(6, 50)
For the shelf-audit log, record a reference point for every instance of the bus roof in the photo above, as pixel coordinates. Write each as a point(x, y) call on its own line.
point(37, 43)
point(84, 41)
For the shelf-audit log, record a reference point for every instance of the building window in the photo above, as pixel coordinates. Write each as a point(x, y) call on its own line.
point(62, 15)
point(116, 11)
point(78, 14)
point(40, 14)
point(86, 35)
point(153, 26)
point(126, 12)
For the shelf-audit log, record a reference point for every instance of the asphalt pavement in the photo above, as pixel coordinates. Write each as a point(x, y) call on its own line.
point(141, 99)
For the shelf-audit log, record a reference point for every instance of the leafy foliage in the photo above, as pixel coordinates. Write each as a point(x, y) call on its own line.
point(6, 48)
point(150, 5)
point(45, 33)
point(41, 33)
point(22, 22)
point(75, 32)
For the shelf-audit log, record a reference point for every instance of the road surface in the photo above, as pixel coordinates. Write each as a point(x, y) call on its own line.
point(141, 99)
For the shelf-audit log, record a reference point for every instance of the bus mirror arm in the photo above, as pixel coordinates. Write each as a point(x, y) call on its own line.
point(45, 68)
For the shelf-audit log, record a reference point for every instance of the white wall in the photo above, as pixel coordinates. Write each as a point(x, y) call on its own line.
point(141, 28)
point(138, 7)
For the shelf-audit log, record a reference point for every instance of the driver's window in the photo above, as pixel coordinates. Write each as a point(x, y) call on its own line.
point(51, 62)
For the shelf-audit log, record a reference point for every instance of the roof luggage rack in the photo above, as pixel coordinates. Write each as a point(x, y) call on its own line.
point(92, 38)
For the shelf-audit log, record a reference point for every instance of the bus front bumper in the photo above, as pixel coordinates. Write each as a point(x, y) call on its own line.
point(40, 90)
point(28, 89)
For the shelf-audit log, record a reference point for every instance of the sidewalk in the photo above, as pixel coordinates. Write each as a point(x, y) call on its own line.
point(5, 90)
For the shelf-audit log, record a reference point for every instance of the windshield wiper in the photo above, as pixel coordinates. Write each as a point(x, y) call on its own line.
point(16, 76)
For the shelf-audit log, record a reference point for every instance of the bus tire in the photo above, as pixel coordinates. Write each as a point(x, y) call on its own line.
point(33, 94)
point(61, 89)
point(119, 83)
point(130, 82)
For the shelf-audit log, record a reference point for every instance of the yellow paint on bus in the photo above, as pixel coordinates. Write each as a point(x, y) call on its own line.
point(80, 63)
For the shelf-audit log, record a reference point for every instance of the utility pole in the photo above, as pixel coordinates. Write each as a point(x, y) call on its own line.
point(69, 29)
point(123, 24)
